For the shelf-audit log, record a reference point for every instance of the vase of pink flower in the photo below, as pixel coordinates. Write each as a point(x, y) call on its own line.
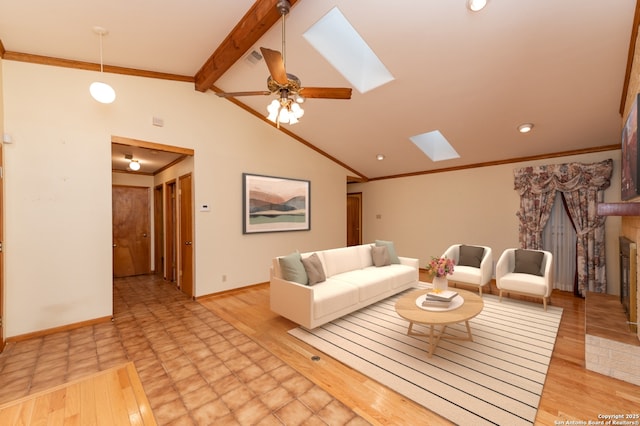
point(439, 268)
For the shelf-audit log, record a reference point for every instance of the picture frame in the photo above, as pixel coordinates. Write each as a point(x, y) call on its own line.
point(630, 179)
point(275, 204)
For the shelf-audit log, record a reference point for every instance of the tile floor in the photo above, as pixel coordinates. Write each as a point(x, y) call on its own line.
point(196, 368)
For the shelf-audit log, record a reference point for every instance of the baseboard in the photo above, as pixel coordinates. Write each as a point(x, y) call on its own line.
point(53, 330)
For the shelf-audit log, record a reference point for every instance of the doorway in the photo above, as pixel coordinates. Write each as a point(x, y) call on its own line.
point(354, 219)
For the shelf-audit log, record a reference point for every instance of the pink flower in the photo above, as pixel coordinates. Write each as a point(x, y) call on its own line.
point(440, 267)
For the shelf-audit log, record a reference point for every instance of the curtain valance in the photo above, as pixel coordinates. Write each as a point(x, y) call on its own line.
point(563, 177)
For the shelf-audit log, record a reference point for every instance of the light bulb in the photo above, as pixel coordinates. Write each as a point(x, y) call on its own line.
point(134, 165)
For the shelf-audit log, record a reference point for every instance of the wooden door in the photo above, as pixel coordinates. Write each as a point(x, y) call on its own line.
point(171, 263)
point(131, 234)
point(354, 219)
point(186, 236)
point(1, 252)
point(158, 231)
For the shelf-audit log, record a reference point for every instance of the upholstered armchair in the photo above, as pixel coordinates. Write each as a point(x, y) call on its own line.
point(526, 272)
point(473, 265)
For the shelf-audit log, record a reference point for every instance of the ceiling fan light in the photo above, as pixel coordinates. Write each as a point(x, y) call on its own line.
point(102, 92)
point(296, 110)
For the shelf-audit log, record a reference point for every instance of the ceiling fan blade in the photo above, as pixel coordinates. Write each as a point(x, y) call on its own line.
point(234, 94)
point(326, 92)
point(274, 61)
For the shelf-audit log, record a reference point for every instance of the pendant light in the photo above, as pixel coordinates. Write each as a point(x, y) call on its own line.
point(100, 91)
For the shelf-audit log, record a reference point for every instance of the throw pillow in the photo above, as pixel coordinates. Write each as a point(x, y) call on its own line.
point(470, 256)
point(313, 267)
point(391, 248)
point(380, 256)
point(293, 269)
point(528, 261)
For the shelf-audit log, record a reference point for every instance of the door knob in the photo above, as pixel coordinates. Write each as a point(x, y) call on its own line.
point(115, 245)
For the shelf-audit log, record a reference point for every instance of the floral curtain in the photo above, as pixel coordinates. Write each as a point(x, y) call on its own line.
point(582, 186)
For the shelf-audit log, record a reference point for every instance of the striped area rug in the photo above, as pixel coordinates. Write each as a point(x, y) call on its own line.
point(496, 379)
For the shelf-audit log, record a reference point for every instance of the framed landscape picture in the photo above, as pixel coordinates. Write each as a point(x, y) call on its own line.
point(275, 204)
point(630, 160)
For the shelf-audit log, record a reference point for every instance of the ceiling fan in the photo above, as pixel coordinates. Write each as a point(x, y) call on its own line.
point(286, 108)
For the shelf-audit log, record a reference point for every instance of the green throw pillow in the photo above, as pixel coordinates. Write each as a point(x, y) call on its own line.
point(391, 248)
point(380, 256)
point(528, 262)
point(313, 267)
point(293, 269)
point(470, 256)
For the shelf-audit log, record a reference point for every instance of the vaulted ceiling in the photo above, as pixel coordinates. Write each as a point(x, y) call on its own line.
point(474, 77)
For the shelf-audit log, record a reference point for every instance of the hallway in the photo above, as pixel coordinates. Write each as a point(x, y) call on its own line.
point(196, 368)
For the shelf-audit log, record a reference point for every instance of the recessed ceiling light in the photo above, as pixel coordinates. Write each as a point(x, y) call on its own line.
point(476, 5)
point(380, 157)
point(525, 127)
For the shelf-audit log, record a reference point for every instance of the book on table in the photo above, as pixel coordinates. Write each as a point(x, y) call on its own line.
point(436, 303)
point(443, 295)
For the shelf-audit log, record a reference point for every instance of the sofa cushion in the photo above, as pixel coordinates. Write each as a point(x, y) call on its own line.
point(392, 250)
point(364, 253)
point(341, 260)
point(332, 296)
point(313, 267)
point(371, 281)
point(380, 256)
point(528, 262)
point(470, 256)
point(292, 268)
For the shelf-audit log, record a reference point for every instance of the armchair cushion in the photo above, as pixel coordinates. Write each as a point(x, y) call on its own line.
point(528, 262)
point(470, 256)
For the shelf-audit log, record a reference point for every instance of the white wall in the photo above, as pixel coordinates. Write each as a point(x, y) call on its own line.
point(58, 188)
point(425, 214)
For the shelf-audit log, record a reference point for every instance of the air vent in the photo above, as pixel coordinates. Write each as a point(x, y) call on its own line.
point(254, 57)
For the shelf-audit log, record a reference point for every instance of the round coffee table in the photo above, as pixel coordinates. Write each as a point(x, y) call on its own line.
point(408, 309)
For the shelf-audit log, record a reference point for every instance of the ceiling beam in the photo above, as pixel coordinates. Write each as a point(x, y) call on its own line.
point(253, 25)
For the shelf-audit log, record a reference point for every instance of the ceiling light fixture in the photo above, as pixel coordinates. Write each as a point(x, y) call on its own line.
point(476, 5)
point(100, 91)
point(525, 127)
point(285, 110)
point(380, 157)
point(134, 165)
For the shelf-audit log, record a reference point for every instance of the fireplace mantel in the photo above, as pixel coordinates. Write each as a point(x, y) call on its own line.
point(619, 209)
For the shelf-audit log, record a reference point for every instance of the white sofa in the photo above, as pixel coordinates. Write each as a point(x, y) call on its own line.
point(352, 282)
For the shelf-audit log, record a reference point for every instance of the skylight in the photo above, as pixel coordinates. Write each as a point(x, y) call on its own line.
point(435, 146)
point(341, 45)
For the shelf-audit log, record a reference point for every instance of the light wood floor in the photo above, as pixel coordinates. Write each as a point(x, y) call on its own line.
point(570, 393)
point(111, 397)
